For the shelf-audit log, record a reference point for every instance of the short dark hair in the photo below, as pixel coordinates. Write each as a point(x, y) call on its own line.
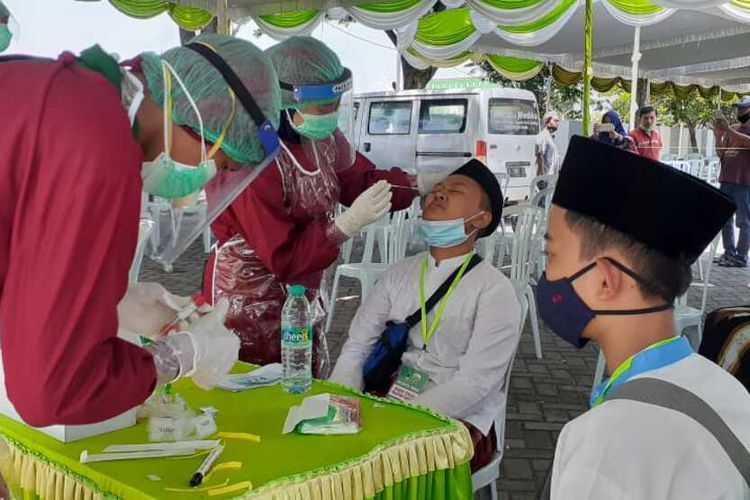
point(664, 276)
point(643, 110)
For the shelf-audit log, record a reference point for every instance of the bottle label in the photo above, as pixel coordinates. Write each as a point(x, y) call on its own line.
point(295, 336)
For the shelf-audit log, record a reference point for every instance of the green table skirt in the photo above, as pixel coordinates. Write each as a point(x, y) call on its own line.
point(402, 451)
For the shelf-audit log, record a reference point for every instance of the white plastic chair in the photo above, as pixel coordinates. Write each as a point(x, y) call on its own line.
point(487, 476)
point(689, 320)
point(550, 180)
point(504, 180)
point(393, 239)
point(144, 233)
point(668, 158)
point(522, 222)
point(694, 156)
point(695, 166)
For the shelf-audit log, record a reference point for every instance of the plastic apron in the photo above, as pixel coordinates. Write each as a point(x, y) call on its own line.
point(255, 294)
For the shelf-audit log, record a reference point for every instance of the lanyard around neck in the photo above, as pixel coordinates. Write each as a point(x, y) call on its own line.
point(427, 333)
point(657, 355)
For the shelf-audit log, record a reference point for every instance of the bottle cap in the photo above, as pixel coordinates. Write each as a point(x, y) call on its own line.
point(297, 290)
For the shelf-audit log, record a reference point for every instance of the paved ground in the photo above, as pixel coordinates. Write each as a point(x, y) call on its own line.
point(544, 394)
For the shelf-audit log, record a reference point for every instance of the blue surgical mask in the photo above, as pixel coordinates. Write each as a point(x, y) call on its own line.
point(446, 233)
point(565, 312)
point(5, 36)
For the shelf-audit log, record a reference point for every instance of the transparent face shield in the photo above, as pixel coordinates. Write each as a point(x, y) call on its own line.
point(324, 119)
point(182, 223)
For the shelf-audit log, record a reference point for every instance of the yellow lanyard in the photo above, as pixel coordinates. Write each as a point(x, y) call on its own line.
point(427, 334)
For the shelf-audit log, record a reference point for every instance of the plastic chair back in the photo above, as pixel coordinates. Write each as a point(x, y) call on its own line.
point(522, 221)
point(541, 182)
point(145, 228)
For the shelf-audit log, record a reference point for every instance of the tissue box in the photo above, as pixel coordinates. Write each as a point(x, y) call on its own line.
point(67, 433)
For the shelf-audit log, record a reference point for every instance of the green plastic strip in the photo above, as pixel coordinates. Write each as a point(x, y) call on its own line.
point(636, 7)
point(445, 28)
point(289, 20)
point(552, 17)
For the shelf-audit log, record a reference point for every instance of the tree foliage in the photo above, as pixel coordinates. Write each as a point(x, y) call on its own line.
point(564, 100)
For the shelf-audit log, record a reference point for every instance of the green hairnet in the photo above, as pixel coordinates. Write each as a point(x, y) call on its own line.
point(211, 93)
point(303, 60)
point(4, 12)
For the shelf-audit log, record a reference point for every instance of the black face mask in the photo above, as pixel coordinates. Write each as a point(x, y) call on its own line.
point(565, 312)
point(743, 118)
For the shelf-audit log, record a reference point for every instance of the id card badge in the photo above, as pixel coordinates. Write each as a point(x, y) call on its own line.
point(410, 383)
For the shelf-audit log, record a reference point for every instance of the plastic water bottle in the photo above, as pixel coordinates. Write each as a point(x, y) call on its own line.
point(296, 341)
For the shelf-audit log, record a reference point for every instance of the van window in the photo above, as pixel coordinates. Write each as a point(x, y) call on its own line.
point(513, 117)
point(390, 118)
point(443, 116)
point(356, 111)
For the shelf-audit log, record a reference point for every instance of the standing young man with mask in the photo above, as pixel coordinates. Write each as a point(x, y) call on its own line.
point(613, 273)
point(462, 348)
point(733, 148)
point(647, 139)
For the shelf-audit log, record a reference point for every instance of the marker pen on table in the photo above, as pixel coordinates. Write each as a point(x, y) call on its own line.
point(209, 462)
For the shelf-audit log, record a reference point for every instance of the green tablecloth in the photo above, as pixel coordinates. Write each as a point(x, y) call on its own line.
point(401, 452)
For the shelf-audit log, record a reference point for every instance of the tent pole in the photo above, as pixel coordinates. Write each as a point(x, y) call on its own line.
point(399, 73)
point(548, 90)
point(222, 15)
point(587, 50)
point(634, 75)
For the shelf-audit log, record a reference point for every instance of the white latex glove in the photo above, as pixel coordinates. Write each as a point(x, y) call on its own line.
point(215, 349)
point(146, 308)
point(369, 206)
point(427, 181)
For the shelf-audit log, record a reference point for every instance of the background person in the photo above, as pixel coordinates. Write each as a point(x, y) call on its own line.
point(647, 139)
point(733, 147)
point(617, 136)
point(547, 157)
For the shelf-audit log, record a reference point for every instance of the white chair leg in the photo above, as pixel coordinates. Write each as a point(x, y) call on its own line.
point(207, 240)
point(334, 293)
point(534, 322)
point(369, 245)
point(346, 250)
point(599, 372)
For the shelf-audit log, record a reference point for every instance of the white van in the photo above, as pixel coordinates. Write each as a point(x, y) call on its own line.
point(435, 130)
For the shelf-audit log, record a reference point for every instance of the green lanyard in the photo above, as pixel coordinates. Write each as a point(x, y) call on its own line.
point(601, 392)
point(427, 334)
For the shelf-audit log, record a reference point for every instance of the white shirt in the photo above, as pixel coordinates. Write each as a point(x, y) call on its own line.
point(630, 450)
point(468, 356)
point(546, 148)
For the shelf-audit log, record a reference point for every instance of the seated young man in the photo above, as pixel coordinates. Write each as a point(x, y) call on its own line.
point(465, 353)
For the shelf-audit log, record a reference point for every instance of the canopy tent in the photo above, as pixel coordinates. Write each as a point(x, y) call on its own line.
point(691, 44)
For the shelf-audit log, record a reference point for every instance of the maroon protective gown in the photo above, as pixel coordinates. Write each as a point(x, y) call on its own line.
point(69, 209)
point(275, 233)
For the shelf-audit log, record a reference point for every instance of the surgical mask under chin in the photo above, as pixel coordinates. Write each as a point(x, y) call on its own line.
point(565, 312)
point(316, 127)
point(647, 129)
point(164, 176)
point(5, 36)
point(743, 118)
point(445, 234)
